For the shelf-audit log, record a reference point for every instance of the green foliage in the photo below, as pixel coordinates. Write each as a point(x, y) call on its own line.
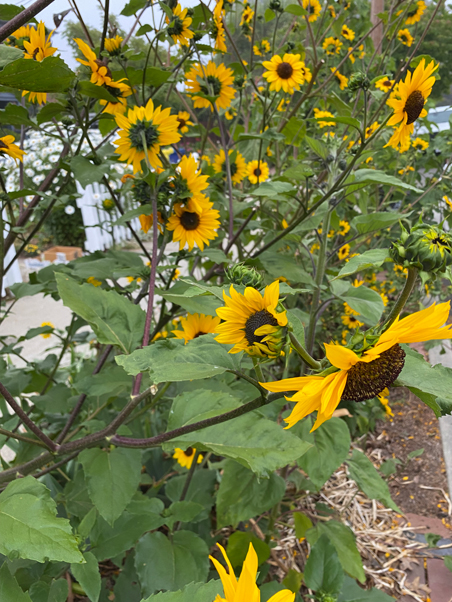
point(323, 571)
point(88, 576)
point(201, 592)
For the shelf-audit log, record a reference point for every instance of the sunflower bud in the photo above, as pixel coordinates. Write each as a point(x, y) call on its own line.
point(275, 6)
point(242, 274)
point(427, 248)
point(358, 80)
point(108, 205)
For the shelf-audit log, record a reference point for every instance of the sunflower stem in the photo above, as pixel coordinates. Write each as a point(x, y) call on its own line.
point(258, 370)
point(403, 297)
point(308, 359)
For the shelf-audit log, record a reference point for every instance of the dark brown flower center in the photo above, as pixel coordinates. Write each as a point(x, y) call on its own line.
point(260, 318)
point(413, 106)
point(257, 172)
point(190, 221)
point(198, 334)
point(367, 380)
point(387, 83)
point(182, 123)
point(189, 452)
point(284, 70)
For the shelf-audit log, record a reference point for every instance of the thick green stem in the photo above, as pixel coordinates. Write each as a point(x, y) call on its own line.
point(310, 361)
point(258, 370)
point(403, 297)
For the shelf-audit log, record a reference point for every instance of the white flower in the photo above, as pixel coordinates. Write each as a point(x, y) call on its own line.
point(29, 198)
point(53, 158)
point(38, 179)
point(29, 172)
point(31, 156)
point(37, 163)
point(69, 210)
point(113, 185)
point(96, 196)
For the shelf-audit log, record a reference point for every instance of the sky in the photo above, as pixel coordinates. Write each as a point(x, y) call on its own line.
point(90, 10)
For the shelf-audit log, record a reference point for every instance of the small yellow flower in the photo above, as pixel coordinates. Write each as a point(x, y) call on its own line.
point(247, 15)
point(179, 26)
point(47, 335)
point(184, 121)
point(284, 224)
point(371, 129)
point(347, 33)
point(404, 36)
point(332, 45)
point(113, 45)
point(176, 274)
point(344, 227)
point(413, 16)
point(332, 11)
point(343, 80)
point(420, 144)
point(344, 251)
point(195, 325)
point(8, 148)
point(257, 172)
point(94, 281)
point(185, 458)
point(318, 114)
point(314, 8)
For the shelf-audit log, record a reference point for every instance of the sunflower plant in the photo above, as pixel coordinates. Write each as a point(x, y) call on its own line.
point(289, 209)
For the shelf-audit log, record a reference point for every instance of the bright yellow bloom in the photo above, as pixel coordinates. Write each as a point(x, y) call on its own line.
point(158, 127)
point(211, 80)
point(351, 321)
point(318, 114)
point(195, 325)
point(332, 11)
point(147, 221)
point(94, 281)
point(257, 173)
point(420, 144)
point(263, 48)
point(22, 32)
point(100, 73)
point(219, 33)
point(120, 91)
point(448, 201)
point(351, 56)
point(344, 227)
point(185, 458)
point(194, 182)
point(190, 228)
point(245, 589)
point(314, 8)
point(343, 81)
point(347, 33)
point(344, 251)
point(408, 102)
point(8, 148)
point(287, 73)
point(384, 84)
point(364, 376)
point(247, 15)
point(383, 398)
point(39, 47)
point(230, 113)
point(404, 36)
point(47, 335)
point(113, 45)
point(184, 121)
point(179, 26)
point(237, 166)
point(283, 104)
point(332, 45)
point(251, 321)
point(371, 129)
point(415, 15)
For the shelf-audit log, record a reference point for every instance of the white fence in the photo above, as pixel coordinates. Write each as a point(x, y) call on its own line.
point(13, 275)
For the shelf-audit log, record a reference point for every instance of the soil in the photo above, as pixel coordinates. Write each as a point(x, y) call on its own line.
point(417, 484)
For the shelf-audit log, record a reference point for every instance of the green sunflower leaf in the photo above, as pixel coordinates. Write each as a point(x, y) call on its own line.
point(201, 592)
point(373, 258)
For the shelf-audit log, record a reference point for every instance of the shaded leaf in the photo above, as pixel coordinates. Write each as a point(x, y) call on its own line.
point(50, 75)
point(323, 571)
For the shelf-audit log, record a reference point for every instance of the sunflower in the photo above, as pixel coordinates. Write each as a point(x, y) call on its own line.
point(420, 144)
point(371, 129)
point(408, 102)
point(384, 84)
point(351, 321)
point(218, 27)
point(120, 91)
point(404, 36)
point(283, 104)
point(383, 398)
point(313, 8)
point(211, 80)
point(251, 321)
point(415, 15)
point(237, 166)
point(39, 47)
point(189, 185)
point(332, 11)
point(367, 373)
point(194, 228)
point(263, 48)
point(47, 335)
point(7, 147)
point(344, 251)
point(183, 119)
point(22, 33)
point(286, 73)
point(158, 128)
point(179, 26)
point(94, 281)
point(343, 81)
point(351, 56)
point(195, 325)
point(146, 222)
point(113, 45)
point(332, 45)
point(100, 73)
point(344, 227)
point(245, 589)
point(257, 172)
point(247, 15)
point(185, 458)
point(347, 33)
point(318, 114)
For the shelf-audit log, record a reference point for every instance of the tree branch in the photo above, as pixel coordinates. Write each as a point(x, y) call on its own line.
point(22, 18)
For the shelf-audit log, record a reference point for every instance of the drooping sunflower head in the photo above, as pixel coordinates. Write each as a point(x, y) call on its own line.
point(179, 26)
point(414, 15)
point(218, 32)
point(237, 165)
point(252, 322)
point(185, 457)
point(332, 45)
point(195, 325)
point(247, 15)
point(191, 228)
point(212, 80)
point(313, 8)
point(38, 47)
point(184, 121)
point(420, 144)
point(7, 147)
point(286, 73)
point(189, 184)
point(113, 45)
point(120, 91)
point(408, 100)
point(145, 128)
point(404, 36)
point(347, 33)
point(47, 335)
point(318, 114)
point(100, 73)
point(257, 172)
point(342, 79)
